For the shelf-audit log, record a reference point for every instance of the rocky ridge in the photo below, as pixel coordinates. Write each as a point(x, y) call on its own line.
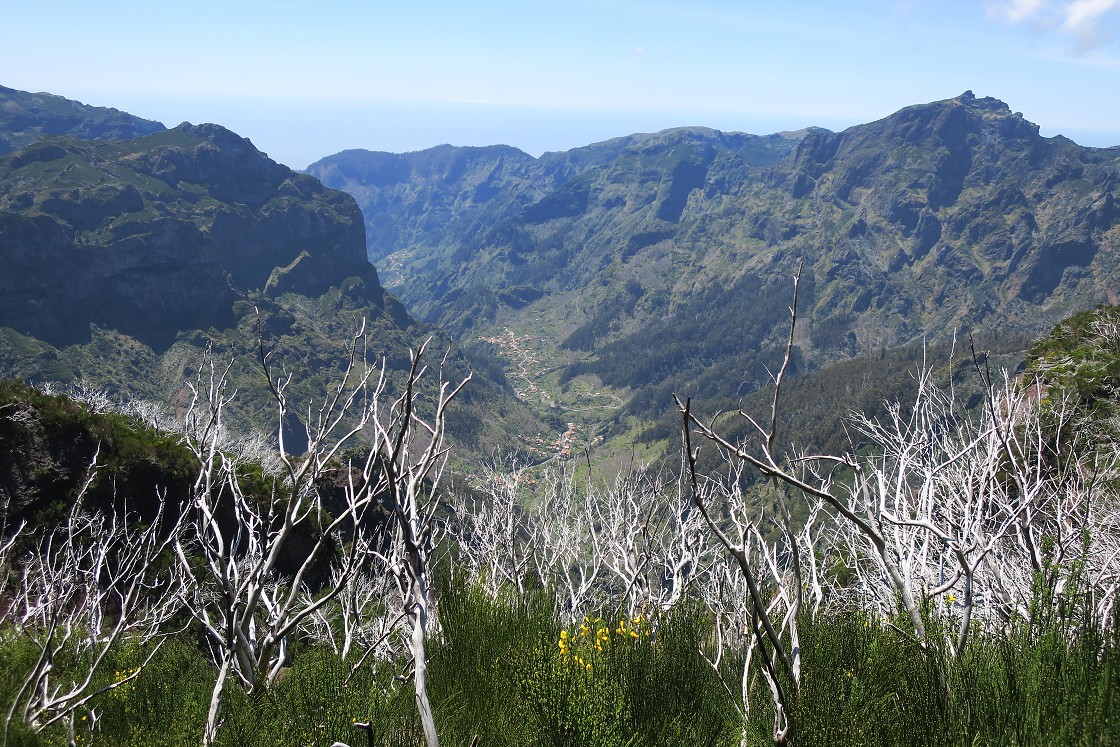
point(163, 233)
point(26, 117)
point(665, 260)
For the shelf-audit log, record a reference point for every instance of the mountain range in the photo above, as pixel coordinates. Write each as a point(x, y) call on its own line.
point(594, 282)
point(663, 262)
point(129, 257)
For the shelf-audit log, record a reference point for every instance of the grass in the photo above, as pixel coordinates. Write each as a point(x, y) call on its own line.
point(498, 671)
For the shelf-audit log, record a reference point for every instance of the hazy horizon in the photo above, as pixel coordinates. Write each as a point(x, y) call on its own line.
point(303, 83)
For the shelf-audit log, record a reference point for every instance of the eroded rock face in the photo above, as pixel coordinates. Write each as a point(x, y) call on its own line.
point(943, 217)
point(163, 233)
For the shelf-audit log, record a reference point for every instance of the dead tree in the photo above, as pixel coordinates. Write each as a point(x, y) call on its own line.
point(560, 532)
point(774, 616)
point(635, 545)
point(939, 505)
point(84, 589)
point(410, 455)
point(247, 609)
point(363, 621)
point(493, 535)
point(650, 539)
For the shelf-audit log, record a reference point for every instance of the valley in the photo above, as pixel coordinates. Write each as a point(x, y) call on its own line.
point(597, 281)
point(399, 438)
point(661, 263)
point(535, 364)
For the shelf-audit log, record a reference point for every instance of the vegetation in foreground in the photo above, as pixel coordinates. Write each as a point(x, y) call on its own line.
point(952, 581)
point(498, 670)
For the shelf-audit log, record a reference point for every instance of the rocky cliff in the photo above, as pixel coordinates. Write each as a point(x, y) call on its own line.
point(162, 234)
point(127, 262)
point(665, 260)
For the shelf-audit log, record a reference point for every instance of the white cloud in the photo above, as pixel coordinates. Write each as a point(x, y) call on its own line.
point(1016, 11)
point(1082, 18)
point(1086, 21)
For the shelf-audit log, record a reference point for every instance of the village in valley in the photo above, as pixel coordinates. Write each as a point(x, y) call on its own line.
point(534, 366)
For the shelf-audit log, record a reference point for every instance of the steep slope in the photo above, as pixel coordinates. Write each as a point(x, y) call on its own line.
point(162, 234)
point(26, 117)
point(665, 264)
point(126, 262)
point(439, 192)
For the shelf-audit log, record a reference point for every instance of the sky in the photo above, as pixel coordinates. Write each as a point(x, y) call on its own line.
point(306, 80)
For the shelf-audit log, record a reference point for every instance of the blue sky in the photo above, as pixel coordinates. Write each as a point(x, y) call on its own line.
point(304, 80)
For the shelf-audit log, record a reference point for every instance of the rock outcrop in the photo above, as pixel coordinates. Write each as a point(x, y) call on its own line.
point(163, 233)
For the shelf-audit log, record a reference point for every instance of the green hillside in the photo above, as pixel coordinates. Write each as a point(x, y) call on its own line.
point(662, 263)
point(26, 117)
point(126, 262)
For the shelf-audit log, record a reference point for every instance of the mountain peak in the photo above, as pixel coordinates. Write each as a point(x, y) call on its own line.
point(968, 98)
point(963, 123)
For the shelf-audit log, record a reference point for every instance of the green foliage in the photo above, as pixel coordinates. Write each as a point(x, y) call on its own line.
point(498, 670)
point(317, 702)
point(866, 685)
point(48, 449)
point(1078, 364)
point(477, 662)
point(165, 705)
point(614, 683)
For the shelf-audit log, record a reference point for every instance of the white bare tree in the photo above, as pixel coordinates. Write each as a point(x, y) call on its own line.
point(634, 546)
point(937, 504)
point(938, 486)
point(651, 539)
point(8, 540)
point(84, 589)
point(965, 504)
point(560, 532)
point(362, 623)
point(493, 533)
point(409, 456)
point(247, 608)
point(777, 573)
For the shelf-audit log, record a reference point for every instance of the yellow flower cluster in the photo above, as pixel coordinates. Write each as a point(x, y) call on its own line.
point(565, 643)
point(123, 674)
point(632, 630)
point(122, 686)
point(594, 636)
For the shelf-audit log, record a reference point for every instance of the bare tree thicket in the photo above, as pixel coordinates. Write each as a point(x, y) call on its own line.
point(87, 587)
point(939, 522)
point(615, 549)
point(83, 589)
point(961, 519)
point(935, 511)
point(247, 608)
